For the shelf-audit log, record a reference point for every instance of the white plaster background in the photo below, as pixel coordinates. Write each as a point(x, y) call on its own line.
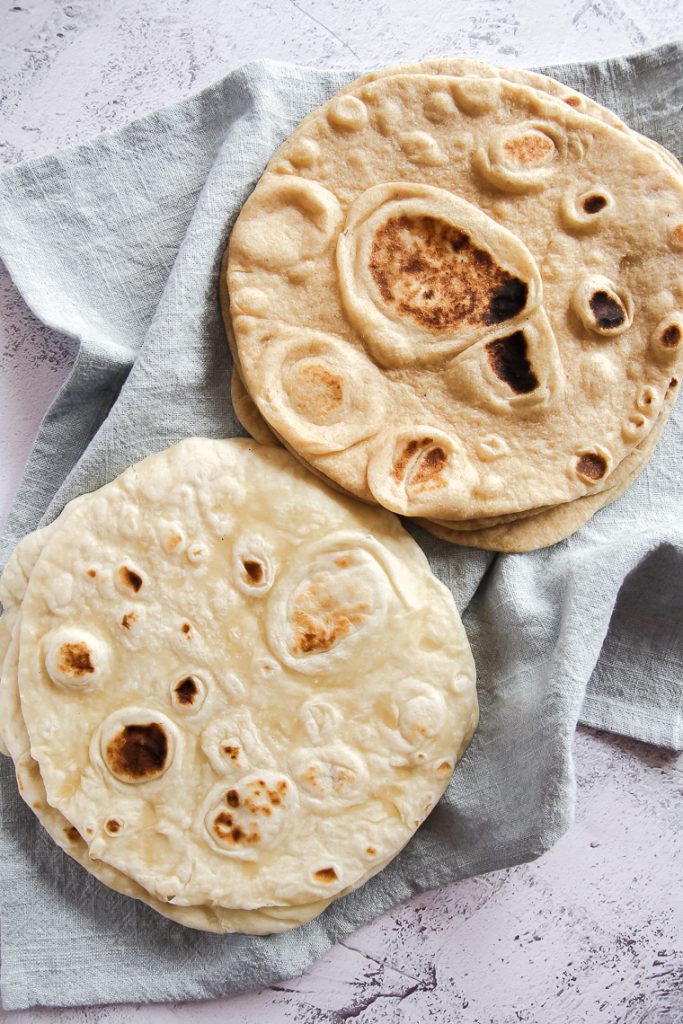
point(594, 930)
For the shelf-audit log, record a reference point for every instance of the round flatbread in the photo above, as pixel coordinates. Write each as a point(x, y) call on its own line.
point(236, 692)
point(438, 295)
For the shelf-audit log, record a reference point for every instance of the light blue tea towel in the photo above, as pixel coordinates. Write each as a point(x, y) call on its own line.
point(117, 243)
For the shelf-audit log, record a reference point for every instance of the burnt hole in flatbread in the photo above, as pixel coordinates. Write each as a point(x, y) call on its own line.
point(433, 273)
point(232, 798)
point(186, 691)
point(325, 875)
point(594, 203)
point(186, 628)
point(253, 570)
point(75, 660)
point(671, 336)
point(138, 751)
point(130, 578)
point(607, 310)
point(508, 360)
point(673, 383)
point(591, 466)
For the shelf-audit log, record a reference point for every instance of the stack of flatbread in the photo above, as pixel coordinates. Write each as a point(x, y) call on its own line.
point(456, 292)
point(229, 691)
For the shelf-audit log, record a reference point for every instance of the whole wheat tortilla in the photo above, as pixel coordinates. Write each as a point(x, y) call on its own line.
point(366, 424)
point(331, 678)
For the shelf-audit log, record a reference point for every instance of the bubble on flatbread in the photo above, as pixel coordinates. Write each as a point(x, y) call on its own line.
point(422, 716)
point(422, 148)
point(188, 693)
point(114, 826)
point(347, 114)
point(320, 720)
point(331, 776)
point(129, 579)
point(304, 153)
point(171, 537)
point(319, 390)
point(667, 338)
point(491, 447)
point(252, 301)
point(518, 158)
point(75, 658)
point(410, 468)
point(250, 815)
point(474, 96)
point(602, 307)
point(633, 427)
point(136, 745)
point(323, 609)
point(593, 466)
point(299, 219)
point(587, 210)
point(253, 564)
point(439, 106)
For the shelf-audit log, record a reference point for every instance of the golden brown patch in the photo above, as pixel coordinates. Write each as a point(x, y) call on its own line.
point(128, 619)
point(607, 310)
point(528, 150)
point(324, 391)
point(343, 561)
point(400, 466)
point(112, 826)
point(232, 752)
point(172, 541)
point(595, 203)
point(72, 834)
point(371, 851)
point(138, 751)
point(673, 383)
point(325, 875)
point(591, 466)
point(75, 660)
point(445, 768)
point(319, 624)
point(427, 475)
point(671, 336)
point(186, 691)
point(677, 234)
point(508, 359)
point(253, 570)
point(186, 628)
point(232, 798)
point(130, 578)
point(573, 101)
point(92, 573)
point(432, 272)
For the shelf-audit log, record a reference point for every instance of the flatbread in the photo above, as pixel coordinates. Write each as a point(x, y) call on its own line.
point(427, 411)
point(254, 701)
point(13, 582)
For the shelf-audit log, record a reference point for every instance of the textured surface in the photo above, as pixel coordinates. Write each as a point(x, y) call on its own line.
point(611, 946)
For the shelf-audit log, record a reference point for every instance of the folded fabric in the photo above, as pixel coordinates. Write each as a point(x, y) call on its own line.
point(117, 244)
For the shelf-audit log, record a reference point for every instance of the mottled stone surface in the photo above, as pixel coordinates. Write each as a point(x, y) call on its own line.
point(594, 930)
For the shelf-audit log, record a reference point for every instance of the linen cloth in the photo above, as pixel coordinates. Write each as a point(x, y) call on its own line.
point(116, 243)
